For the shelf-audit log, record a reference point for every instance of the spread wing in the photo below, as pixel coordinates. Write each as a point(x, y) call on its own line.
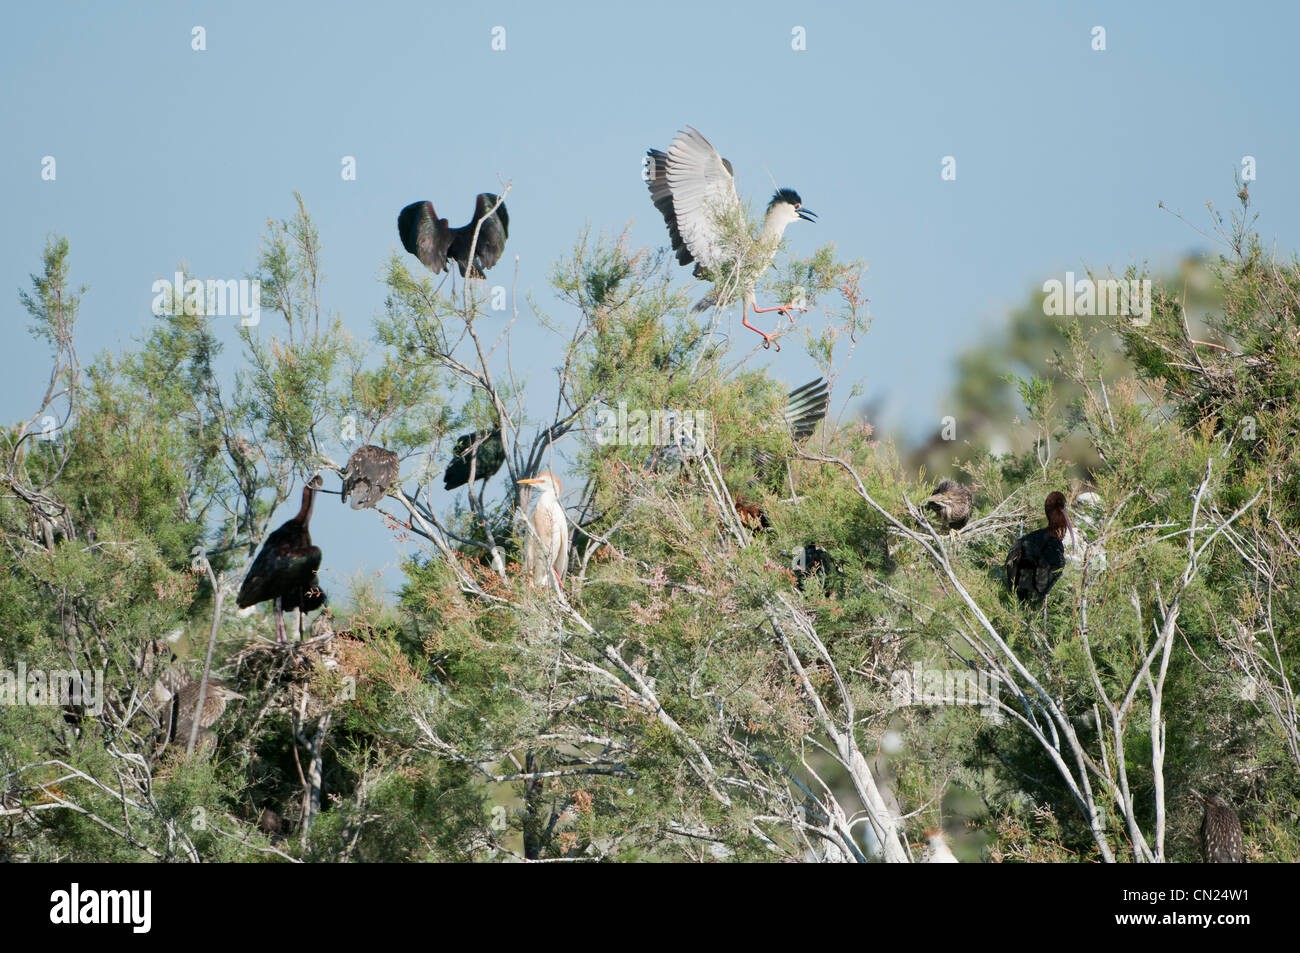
point(806, 407)
point(703, 191)
point(425, 235)
point(491, 237)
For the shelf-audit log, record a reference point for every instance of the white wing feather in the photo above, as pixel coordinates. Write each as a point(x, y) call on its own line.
point(703, 193)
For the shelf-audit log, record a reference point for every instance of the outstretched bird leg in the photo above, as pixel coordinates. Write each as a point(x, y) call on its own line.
point(280, 635)
point(769, 339)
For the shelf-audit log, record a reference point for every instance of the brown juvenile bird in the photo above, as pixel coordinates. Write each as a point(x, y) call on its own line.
point(369, 475)
point(1037, 559)
point(1221, 841)
point(953, 502)
point(185, 705)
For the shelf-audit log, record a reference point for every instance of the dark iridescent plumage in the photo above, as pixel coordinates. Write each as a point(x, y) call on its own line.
point(430, 239)
point(370, 473)
point(286, 565)
point(811, 559)
point(1037, 559)
point(485, 447)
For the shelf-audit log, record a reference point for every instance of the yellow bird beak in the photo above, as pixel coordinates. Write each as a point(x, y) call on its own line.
point(531, 481)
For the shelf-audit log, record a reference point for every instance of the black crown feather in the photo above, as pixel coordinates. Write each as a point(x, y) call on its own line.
point(785, 195)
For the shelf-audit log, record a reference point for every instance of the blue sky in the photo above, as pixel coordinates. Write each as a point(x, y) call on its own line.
point(167, 155)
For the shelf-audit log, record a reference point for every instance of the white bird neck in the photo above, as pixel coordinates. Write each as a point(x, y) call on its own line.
point(775, 222)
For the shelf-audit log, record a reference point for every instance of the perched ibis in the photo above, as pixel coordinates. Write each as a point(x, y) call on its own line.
point(483, 449)
point(285, 568)
point(546, 550)
point(695, 190)
point(369, 475)
point(1038, 558)
point(952, 501)
point(430, 239)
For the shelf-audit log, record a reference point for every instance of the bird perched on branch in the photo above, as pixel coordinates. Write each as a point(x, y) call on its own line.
point(1221, 841)
point(484, 448)
point(285, 567)
point(695, 190)
point(430, 239)
point(546, 549)
point(185, 706)
point(369, 475)
point(952, 501)
point(1037, 559)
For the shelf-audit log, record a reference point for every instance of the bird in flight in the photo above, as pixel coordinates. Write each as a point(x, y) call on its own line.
point(430, 239)
point(695, 190)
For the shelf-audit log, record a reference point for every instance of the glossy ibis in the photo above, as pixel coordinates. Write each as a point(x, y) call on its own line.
point(430, 239)
point(484, 448)
point(285, 568)
point(546, 550)
point(1038, 558)
point(369, 475)
point(694, 189)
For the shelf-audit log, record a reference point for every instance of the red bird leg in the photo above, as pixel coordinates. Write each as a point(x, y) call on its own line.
point(768, 339)
point(280, 635)
point(783, 308)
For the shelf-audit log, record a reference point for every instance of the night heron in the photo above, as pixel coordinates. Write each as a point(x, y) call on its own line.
point(1221, 841)
point(430, 239)
point(1037, 559)
point(546, 550)
point(285, 568)
point(369, 475)
point(694, 189)
point(952, 501)
point(484, 448)
point(185, 706)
